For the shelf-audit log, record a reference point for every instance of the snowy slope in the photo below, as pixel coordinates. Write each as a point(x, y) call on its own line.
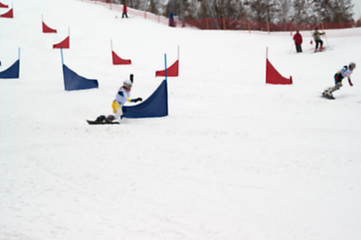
point(235, 158)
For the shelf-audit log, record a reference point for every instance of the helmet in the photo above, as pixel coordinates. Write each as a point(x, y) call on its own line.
point(352, 65)
point(127, 83)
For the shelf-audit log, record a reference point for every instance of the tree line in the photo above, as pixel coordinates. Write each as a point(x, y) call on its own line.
point(273, 11)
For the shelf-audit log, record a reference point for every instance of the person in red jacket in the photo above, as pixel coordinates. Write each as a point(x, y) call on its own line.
point(125, 11)
point(298, 41)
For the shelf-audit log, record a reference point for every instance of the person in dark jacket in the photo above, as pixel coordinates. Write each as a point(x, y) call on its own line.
point(297, 38)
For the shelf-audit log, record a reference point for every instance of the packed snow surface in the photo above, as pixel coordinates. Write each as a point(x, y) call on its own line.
point(235, 159)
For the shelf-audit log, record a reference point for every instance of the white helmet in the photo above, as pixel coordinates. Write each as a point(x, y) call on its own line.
point(352, 65)
point(127, 83)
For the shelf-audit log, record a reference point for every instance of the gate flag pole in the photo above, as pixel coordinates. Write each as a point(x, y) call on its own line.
point(165, 64)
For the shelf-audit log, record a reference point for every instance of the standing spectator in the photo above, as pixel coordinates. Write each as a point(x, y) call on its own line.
point(125, 11)
point(317, 37)
point(171, 20)
point(297, 38)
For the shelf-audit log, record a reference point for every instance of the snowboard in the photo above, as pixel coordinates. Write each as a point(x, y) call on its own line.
point(328, 96)
point(320, 50)
point(93, 122)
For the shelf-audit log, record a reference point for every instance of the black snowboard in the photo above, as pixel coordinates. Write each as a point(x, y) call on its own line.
point(91, 122)
point(328, 96)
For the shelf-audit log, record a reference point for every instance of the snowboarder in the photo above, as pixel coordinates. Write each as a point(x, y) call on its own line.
point(317, 37)
point(125, 11)
point(346, 71)
point(122, 96)
point(297, 38)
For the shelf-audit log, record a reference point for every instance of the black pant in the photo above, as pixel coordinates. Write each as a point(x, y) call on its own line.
point(124, 14)
point(298, 48)
point(319, 42)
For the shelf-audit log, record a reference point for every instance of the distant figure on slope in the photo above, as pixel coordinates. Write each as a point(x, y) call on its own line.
point(297, 38)
point(171, 20)
point(317, 37)
point(122, 96)
point(125, 11)
point(346, 71)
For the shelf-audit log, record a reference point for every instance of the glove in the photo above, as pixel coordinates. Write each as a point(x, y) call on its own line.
point(138, 99)
point(131, 77)
point(351, 84)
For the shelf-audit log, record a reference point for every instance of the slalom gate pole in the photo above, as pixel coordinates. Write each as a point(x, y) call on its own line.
point(328, 45)
point(178, 52)
point(62, 58)
point(266, 52)
point(19, 54)
point(165, 64)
